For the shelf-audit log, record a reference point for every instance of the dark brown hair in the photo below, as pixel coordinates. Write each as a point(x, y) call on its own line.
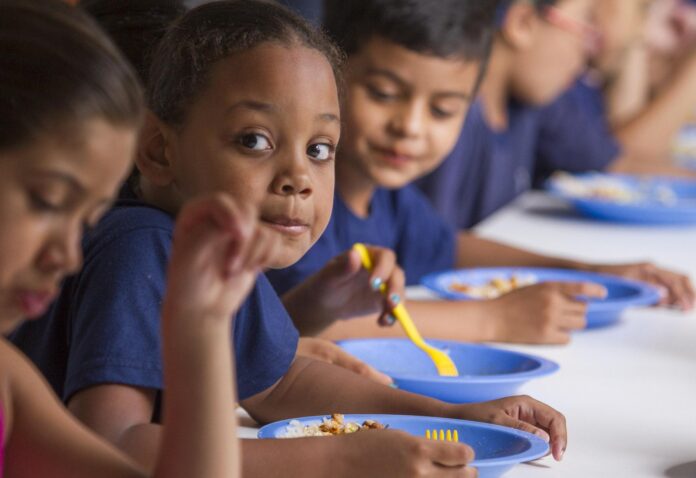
point(207, 34)
point(57, 70)
point(135, 26)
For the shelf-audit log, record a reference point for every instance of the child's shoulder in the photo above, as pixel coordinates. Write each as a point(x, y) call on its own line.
point(132, 214)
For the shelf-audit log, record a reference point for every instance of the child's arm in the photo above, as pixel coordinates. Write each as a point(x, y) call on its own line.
point(343, 289)
point(310, 388)
point(474, 251)
point(327, 351)
point(648, 135)
point(218, 250)
point(539, 314)
point(223, 249)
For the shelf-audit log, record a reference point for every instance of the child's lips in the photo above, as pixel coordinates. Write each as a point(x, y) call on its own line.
point(394, 157)
point(287, 225)
point(34, 303)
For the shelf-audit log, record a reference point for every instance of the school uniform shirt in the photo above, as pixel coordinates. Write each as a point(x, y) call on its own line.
point(401, 220)
point(574, 133)
point(487, 169)
point(105, 326)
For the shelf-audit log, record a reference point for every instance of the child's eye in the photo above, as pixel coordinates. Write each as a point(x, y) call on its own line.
point(441, 113)
point(380, 95)
point(320, 151)
point(257, 142)
point(39, 203)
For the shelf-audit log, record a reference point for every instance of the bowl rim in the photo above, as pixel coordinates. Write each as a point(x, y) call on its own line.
point(645, 294)
point(544, 366)
point(537, 446)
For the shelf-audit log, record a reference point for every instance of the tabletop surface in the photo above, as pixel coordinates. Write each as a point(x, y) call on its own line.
point(628, 391)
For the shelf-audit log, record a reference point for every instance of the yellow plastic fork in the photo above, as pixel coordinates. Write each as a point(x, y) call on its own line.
point(442, 361)
point(442, 435)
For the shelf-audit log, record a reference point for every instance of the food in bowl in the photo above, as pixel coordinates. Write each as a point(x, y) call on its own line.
point(495, 287)
point(330, 426)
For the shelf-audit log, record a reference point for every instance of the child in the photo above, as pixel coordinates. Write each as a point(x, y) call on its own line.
point(244, 100)
point(409, 81)
point(607, 119)
point(136, 27)
point(69, 112)
point(509, 141)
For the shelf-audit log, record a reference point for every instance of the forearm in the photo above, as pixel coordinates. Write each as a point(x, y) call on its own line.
point(474, 251)
point(309, 320)
point(635, 165)
point(317, 388)
point(628, 92)
point(296, 457)
point(649, 134)
point(199, 434)
point(434, 319)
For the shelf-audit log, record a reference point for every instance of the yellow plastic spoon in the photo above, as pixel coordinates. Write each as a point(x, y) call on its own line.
point(442, 361)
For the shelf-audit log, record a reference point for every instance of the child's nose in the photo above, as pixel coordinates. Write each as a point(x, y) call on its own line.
point(63, 252)
point(293, 179)
point(409, 119)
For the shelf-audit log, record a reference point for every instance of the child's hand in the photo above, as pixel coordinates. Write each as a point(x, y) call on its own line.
point(523, 413)
point(544, 313)
point(380, 453)
point(326, 351)
point(678, 289)
point(343, 289)
point(218, 250)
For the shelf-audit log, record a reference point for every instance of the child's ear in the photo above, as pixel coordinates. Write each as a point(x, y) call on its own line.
point(154, 152)
point(520, 25)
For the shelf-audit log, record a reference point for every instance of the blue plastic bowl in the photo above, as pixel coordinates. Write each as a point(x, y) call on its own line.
point(497, 448)
point(485, 373)
point(640, 213)
point(621, 293)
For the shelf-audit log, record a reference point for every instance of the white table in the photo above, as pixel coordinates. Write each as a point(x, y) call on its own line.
point(628, 392)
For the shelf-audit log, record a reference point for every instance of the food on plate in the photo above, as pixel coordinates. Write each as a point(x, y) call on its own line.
point(493, 288)
point(330, 426)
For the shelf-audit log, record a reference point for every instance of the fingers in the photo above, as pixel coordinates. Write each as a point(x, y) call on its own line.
point(347, 361)
point(680, 290)
point(396, 286)
point(576, 290)
point(326, 351)
point(449, 454)
point(552, 422)
point(383, 265)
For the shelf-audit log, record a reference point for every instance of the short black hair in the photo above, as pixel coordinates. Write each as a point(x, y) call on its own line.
point(207, 34)
point(58, 70)
point(136, 26)
point(442, 28)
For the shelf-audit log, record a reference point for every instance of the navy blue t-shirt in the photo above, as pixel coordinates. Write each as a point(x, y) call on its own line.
point(105, 328)
point(574, 133)
point(401, 220)
point(486, 169)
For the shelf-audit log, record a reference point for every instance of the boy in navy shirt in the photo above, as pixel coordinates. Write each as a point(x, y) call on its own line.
point(520, 130)
point(244, 100)
point(407, 94)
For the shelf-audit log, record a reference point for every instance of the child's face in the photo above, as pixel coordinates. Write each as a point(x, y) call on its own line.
point(403, 111)
point(620, 24)
point(265, 131)
point(556, 54)
point(49, 191)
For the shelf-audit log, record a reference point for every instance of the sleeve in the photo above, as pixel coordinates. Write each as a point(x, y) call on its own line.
point(115, 330)
point(265, 340)
point(426, 243)
point(574, 136)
